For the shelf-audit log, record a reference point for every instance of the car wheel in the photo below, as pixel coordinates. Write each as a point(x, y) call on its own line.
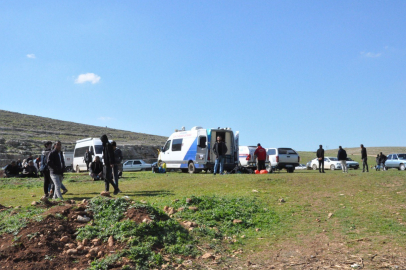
point(191, 167)
point(332, 167)
point(402, 167)
point(314, 167)
point(77, 169)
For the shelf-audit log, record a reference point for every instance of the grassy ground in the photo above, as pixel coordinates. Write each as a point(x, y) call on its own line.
point(351, 209)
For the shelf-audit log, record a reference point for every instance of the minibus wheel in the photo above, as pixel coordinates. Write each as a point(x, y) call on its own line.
point(191, 167)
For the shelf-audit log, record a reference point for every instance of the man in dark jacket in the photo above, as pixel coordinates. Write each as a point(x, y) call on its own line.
point(88, 158)
point(96, 169)
point(220, 150)
point(44, 167)
point(109, 161)
point(320, 158)
point(260, 153)
point(382, 160)
point(342, 156)
point(12, 170)
point(118, 158)
point(30, 170)
point(56, 165)
point(364, 158)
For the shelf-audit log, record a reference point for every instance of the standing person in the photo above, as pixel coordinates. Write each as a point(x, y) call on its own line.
point(108, 157)
point(260, 153)
point(377, 162)
point(118, 157)
point(382, 160)
point(88, 157)
point(364, 158)
point(44, 167)
point(220, 150)
point(320, 157)
point(56, 165)
point(342, 156)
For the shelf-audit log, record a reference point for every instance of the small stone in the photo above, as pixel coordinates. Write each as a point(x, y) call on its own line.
point(180, 209)
point(60, 228)
point(330, 215)
point(100, 254)
point(34, 203)
point(65, 239)
point(83, 219)
point(111, 241)
point(144, 202)
point(176, 200)
point(85, 242)
point(254, 190)
point(166, 208)
point(80, 247)
point(96, 242)
point(70, 245)
point(282, 200)
point(33, 195)
point(188, 200)
point(84, 201)
point(193, 208)
point(171, 211)
point(237, 221)
point(257, 229)
point(242, 236)
point(71, 251)
point(207, 256)
point(105, 193)
point(40, 244)
point(94, 251)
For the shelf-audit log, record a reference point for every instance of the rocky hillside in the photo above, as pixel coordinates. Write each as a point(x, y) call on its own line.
point(22, 135)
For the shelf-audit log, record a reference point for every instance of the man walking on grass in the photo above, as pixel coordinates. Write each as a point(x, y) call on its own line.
point(342, 156)
point(56, 165)
point(108, 158)
point(364, 158)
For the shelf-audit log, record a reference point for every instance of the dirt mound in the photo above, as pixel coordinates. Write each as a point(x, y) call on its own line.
point(140, 215)
point(51, 243)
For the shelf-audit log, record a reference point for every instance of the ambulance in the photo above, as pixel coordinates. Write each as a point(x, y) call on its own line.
point(192, 150)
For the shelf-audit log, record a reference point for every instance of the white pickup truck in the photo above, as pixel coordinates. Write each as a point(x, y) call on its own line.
point(283, 158)
point(247, 158)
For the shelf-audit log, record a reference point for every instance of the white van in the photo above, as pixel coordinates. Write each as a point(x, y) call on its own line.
point(247, 158)
point(94, 146)
point(191, 150)
point(68, 157)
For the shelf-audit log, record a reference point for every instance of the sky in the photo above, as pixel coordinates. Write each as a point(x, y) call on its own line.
point(282, 73)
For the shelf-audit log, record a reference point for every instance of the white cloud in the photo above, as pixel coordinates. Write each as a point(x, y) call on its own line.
point(105, 118)
point(88, 77)
point(370, 54)
point(31, 55)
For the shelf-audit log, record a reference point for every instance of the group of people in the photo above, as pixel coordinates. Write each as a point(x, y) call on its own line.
point(27, 168)
point(342, 157)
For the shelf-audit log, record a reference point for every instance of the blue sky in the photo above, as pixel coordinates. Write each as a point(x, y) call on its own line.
point(283, 73)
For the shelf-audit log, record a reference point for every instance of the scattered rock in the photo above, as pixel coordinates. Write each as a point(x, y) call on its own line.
point(33, 195)
point(85, 242)
point(70, 245)
point(83, 219)
point(96, 242)
point(111, 241)
point(80, 247)
point(84, 201)
point(257, 229)
point(188, 200)
point(180, 209)
point(176, 200)
point(34, 203)
point(105, 194)
point(60, 228)
point(171, 211)
point(193, 208)
point(282, 200)
point(330, 215)
point(100, 254)
point(64, 239)
point(237, 221)
point(71, 251)
point(166, 208)
point(144, 202)
point(254, 190)
point(208, 256)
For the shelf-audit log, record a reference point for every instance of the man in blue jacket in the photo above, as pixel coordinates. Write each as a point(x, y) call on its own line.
point(342, 156)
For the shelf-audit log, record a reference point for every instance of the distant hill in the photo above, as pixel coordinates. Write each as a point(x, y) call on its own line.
point(371, 151)
point(22, 134)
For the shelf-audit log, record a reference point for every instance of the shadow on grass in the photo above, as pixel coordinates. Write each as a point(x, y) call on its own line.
point(149, 193)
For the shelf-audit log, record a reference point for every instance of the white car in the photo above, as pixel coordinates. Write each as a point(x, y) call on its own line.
point(136, 165)
point(301, 167)
point(351, 164)
point(330, 163)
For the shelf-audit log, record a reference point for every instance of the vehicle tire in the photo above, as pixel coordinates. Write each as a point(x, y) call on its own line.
point(332, 167)
point(77, 169)
point(402, 167)
point(191, 167)
point(314, 167)
point(356, 168)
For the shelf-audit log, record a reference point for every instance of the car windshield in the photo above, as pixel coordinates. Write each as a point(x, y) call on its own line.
point(333, 159)
point(286, 151)
point(99, 149)
point(402, 156)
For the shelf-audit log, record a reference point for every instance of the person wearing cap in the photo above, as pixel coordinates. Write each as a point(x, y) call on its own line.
point(364, 158)
point(260, 153)
point(220, 150)
point(88, 157)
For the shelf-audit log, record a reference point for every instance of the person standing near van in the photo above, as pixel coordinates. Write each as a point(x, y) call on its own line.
point(88, 158)
point(364, 158)
point(320, 158)
point(109, 161)
point(260, 153)
point(342, 157)
point(382, 160)
point(56, 165)
point(118, 158)
point(220, 150)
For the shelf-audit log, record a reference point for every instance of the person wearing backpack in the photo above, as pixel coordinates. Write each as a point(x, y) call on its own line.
point(44, 167)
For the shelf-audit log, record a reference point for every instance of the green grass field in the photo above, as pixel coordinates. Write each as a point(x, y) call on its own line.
point(363, 212)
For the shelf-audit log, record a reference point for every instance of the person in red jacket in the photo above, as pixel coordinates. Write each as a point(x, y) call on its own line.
point(260, 153)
